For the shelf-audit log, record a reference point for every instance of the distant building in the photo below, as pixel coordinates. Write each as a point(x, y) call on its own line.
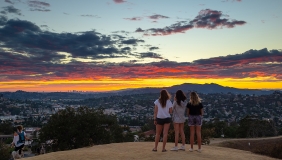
point(30, 130)
point(150, 132)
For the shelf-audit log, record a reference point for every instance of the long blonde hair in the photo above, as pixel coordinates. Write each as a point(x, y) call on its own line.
point(194, 99)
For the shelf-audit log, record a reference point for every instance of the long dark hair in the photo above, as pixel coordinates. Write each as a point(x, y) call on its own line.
point(164, 97)
point(180, 96)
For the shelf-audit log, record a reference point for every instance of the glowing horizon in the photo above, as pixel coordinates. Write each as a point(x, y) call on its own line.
point(115, 85)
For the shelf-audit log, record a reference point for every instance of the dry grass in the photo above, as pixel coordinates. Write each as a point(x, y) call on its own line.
point(142, 150)
point(267, 146)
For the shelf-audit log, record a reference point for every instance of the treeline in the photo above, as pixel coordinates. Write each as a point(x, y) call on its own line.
point(248, 127)
point(71, 129)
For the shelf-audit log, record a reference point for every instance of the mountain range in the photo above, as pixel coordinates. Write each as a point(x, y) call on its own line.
point(186, 87)
point(200, 88)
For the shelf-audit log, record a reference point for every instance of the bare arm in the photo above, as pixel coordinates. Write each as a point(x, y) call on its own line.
point(188, 111)
point(155, 114)
point(14, 140)
point(170, 110)
point(26, 138)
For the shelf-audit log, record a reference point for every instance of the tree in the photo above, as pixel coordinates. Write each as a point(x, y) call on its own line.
point(280, 131)
point(253, 127)
point(4, 152)
point(6, 128)
point(70, 129)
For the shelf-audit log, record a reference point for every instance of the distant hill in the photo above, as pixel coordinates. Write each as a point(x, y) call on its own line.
point(186, 87)
point(201, 88)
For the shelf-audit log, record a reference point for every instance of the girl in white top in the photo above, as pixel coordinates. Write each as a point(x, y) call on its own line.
point(178, 116)
point(162, 118)
point(19, 141)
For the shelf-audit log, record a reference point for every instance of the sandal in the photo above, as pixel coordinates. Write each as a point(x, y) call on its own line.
point(164, 150)
point(154, 150)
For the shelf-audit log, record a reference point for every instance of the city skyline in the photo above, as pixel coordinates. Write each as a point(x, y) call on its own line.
point(118, 44)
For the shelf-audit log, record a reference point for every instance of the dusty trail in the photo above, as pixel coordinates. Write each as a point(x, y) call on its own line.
point(142, 150)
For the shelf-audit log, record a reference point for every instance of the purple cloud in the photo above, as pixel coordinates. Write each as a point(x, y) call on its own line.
point(210, 19)
point(36, 5)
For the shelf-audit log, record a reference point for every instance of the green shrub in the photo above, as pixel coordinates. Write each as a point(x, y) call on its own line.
point(5, 152)
point(9, 141)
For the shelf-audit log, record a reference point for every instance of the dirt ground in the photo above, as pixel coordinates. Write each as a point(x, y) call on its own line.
point(142, 150)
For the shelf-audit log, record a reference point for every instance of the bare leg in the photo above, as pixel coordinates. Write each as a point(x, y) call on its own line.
point(159, 129)
point(176, 136)
point(165, 133)
point(199, 138)
point(192, 133)
point(181, 130)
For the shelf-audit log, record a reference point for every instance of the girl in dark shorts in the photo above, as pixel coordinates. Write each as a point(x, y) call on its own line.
point(162, 118)
point(195, 116)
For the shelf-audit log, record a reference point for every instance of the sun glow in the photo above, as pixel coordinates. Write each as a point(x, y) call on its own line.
point(107, 84)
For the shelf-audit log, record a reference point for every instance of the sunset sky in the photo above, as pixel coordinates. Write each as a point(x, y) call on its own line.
point(105, 45)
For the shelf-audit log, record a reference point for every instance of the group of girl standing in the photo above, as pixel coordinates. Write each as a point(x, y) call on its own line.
point(162, 118)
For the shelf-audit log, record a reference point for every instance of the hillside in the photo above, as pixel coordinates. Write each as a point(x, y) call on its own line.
point(201, 88)
point(142, 150)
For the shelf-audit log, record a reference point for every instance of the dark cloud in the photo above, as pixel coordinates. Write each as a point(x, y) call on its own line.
point(210, 19)
point(3, 20)
point(249, 57)
point(133, 41)
point(11, 9)
point(157, 16)
point(134, 18)
point(36, 5)
point(126, 49)
point(8, 1)
point(119, 1)
point(150, 55)
point(139, 30)
point(253, 63)
point(153, 48)
point(179, 27)
point(26, 37)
